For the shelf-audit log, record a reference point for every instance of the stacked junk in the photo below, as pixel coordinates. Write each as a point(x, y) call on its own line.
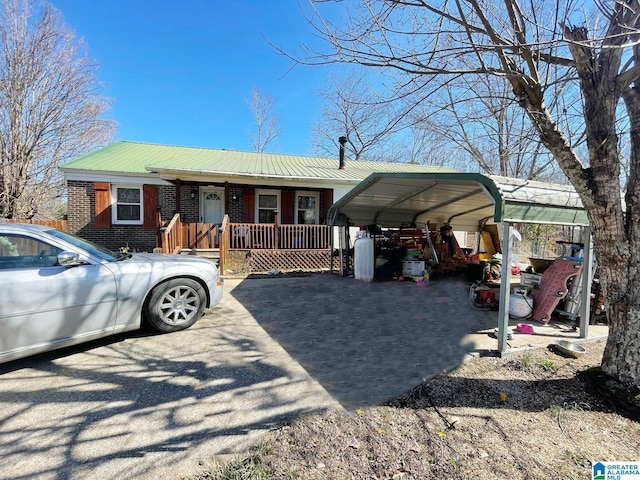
point(550, 285)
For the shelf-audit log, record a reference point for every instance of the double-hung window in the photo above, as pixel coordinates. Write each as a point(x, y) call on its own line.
point(307, 204)
point(267, 205)
point(127, 204)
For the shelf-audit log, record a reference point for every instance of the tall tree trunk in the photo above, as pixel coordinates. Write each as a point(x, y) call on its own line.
point(614, 231)
point(621, 357)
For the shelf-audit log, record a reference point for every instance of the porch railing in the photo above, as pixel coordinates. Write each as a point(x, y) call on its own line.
point(171, 237)
point(178, 235)
point(201, 235)
point(242, 236)
point(268, 236)
point(252, 235)
point(276, 247)
point(224, 242)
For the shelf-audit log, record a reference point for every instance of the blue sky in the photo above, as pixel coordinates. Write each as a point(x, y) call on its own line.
point(180, 73)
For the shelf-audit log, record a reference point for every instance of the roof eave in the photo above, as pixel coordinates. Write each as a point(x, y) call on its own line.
point(173, 174)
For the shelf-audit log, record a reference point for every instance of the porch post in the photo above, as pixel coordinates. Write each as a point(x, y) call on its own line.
point(340, 249)
point(276, 234)
point(331, 243)
point(178, 190)
point(505, 288)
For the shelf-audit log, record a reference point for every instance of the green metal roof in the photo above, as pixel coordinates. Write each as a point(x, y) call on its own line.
point(539, 202)
point(174, 162)
point(462, 199)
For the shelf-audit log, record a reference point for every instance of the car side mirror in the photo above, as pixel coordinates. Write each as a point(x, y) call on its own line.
point(69, 259)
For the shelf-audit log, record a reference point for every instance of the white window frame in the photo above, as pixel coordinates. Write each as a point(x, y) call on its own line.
point(300, 193)
point(114, 204)
point(260, 191)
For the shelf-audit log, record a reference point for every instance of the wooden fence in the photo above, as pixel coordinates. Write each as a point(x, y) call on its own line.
point(59, 224)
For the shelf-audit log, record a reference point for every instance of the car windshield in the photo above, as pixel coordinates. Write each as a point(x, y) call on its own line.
point(92, 248)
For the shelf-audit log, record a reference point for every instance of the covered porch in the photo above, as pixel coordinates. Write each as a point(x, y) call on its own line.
point(263, 246)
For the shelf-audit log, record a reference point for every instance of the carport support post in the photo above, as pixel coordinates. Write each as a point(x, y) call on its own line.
point(344, 250)
point(587, 278)
point(505, 288)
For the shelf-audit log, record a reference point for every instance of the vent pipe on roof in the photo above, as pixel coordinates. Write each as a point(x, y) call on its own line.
point(342, 141)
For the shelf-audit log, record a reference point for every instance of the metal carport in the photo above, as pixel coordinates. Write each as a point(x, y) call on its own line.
point(468, 201)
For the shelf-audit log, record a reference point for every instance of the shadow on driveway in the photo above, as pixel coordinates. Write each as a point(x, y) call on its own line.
point(366, 343)
point(143, 406)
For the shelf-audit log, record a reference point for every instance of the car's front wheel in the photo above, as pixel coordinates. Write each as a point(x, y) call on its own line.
point(175, 305)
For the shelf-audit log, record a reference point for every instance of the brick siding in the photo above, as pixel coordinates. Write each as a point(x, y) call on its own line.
point(80, 215)
point(234, 207)
point(81, 208)
point(189, 208)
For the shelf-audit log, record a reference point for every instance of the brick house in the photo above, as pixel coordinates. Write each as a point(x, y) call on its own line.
point(120, 195)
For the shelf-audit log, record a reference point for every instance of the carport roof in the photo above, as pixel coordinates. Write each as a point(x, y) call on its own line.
point(464, 200)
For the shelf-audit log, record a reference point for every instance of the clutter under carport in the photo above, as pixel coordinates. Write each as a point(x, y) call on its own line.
point(408, 223)
point(556, 293)
point(406, 252)
point(409, 253)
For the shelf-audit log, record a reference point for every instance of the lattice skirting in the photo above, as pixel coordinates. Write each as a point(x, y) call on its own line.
point(262, 261)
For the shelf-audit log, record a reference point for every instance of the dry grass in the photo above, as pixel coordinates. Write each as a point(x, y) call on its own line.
point(533, 415)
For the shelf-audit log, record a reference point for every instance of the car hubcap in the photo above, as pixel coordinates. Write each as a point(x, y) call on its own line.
point(179, 305)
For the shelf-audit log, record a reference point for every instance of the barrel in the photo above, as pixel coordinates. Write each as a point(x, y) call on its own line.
point(363, 259)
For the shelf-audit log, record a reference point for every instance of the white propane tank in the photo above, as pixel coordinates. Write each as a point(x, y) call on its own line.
point(520, 305)
point(363, 258)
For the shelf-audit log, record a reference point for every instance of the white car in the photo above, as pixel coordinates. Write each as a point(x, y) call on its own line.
point(58, 290)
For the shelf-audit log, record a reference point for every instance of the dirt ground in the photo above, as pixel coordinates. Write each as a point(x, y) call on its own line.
point(532, 415)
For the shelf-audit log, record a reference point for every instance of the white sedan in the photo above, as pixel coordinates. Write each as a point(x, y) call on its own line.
point(58, 290)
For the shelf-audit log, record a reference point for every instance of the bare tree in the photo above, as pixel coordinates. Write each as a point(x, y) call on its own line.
point(267, 123)
point(50, 106)
point(545, 49)
point(355, 109)
point(479, 117)
point(421, 145)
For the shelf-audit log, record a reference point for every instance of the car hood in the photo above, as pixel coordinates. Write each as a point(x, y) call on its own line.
point(170, 260)
point(164, 258)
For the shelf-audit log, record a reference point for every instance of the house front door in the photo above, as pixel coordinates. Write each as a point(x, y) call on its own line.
point(211, 205)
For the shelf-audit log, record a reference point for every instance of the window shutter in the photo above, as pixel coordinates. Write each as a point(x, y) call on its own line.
point(328, 201)
point(287, 203)
point(102, 205)
point(150, 204)
point(248, 205)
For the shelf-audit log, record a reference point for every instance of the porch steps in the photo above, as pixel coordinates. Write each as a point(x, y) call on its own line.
point(212, 254)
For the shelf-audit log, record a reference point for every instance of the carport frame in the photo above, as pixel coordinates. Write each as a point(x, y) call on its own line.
point(479, 198)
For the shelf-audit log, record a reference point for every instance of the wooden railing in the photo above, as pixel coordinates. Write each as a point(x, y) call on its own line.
point(178, 235)
point(252, 235)
point(224, 242)
point(260, 236)
point(201, 235)
point(242, 236)
point(171, 235)
point(304, 237)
